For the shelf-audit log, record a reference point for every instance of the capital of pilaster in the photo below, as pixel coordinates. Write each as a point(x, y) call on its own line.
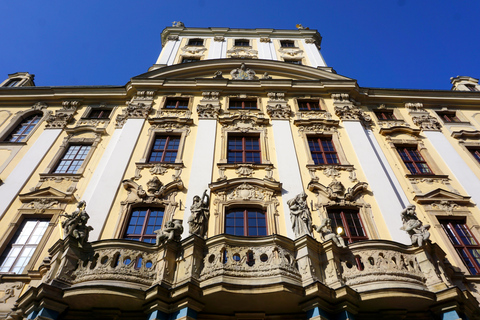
point(208, 111)
point(134, 110)
point(172, 38)
point(279, 111)
point(219, 38)
point(427, 122)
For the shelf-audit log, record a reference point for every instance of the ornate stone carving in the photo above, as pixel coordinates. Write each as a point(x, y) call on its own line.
point(331, 172)
point(171, 232)
point(218, 75)
point(243, 122)
point(144, 95)
point(414, 227)
point(279, 111)
point(266, 76)
point(244, 169)
point(200, 213)
point(300, 215)
point(192, 51)
point(219, 38)
point(9, 290)
point(427, 122)
point(174, 113)
point(447, 206)
point(210, 95)
point(248, 262)
point(172, 38)
point(350, 112)
point(309, 40)
point(39, 106)
point(42, 204)
point(134, 110)
point(76, 224)
point(291, 53)
point(265, 40)
point(208, 111)
point(326, 233)
point(247, 192)
point(317, 128)
point(276, 96)
point(414, 106)
point(178, 24)
point(243, 73)
point(58, 120)
point(70, 105)
point(154, 185)
point(336, 190)
point(242, 53)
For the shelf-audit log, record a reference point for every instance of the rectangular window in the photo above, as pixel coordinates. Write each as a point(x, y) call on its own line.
point(385, 115)
point(176, 103)
point(142, 224)
point(73, 159)
point(22, 130)
point(195, 42)
point(242, 43)
point(448, 116)
point(308, 105)
point(21, 248)
point(413, 160)
point(244, 149)
point(186, 60)
point(464, 243)
point(12, 83)
point(287, 43)
point(475, 153)
point(350, 222)
point(165, 149)
point(242, 104)
point(322, 150)
point(246, 222)
point(299, 62)
point(471, 87)
point(99, 114)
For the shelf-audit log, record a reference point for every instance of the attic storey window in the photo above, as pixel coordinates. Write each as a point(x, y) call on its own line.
point(308, 105)
point(448, 116)
point(242, 43)
point(99, 114)
point(242, 104)
point(287, 43)
point(187, 60)
point(195, 42)
point(385, 115)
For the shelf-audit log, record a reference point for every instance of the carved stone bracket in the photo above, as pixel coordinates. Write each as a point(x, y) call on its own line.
point(427, 122)
point(279, 111)
point(59, 120)
point(219, 38)
point(417, 106)
point(265, 40)
point(172, 38)
point(134, 110)
point(208, 111)
point(350, 112)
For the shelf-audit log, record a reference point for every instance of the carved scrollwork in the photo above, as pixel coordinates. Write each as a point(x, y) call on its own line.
point(42, 204)
point(208, 111)
point(59, 120)
point(243, 73)
point(192, 51)
point(242, 53)
point(219, 38)
point(9, 290)
point(133, 110)
point(244, 169)
point(279, 111)
point(427, 122)
point(350, 112)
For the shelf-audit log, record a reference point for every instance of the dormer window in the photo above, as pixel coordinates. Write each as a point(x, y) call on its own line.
point(195, 42)
point(12, 82)
point(287, 43)
point(471, 87)
point(242, 43)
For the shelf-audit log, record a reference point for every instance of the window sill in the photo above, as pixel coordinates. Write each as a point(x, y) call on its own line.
point(254, 165)
point(8, 143)
point(460, 123)
point(337, 166)
point(432, 176)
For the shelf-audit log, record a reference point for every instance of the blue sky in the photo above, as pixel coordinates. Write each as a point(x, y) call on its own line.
point(381, 43)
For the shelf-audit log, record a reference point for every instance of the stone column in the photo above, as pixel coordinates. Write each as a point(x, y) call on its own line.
point(391, 199)
point(287, 162)
point(108, 175)
point(203, 154)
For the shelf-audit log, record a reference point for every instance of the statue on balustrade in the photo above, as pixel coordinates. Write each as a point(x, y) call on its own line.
point(76, 224)
point(326, 233)
point(198, 221)
point(414, 227)
point(171, 232)
point(300, 215)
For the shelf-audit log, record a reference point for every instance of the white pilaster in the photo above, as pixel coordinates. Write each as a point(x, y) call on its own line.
point(456, 164)
point(215, 50)
point(202, 166)
point(314, 55)
point(386, 189)
point(108, 175)
point(15, 181)
point(166, 52)
point(288, 169)
point(266, 50)
point(176, 46)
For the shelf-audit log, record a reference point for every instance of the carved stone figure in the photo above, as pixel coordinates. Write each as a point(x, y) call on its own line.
point(76, 224)
point(198, 221)
point(266, 76)
point(171, 232)
point(326, 233)
point(414, 227)
point(178, 24)
point(243, 73)
point(218, 75)
point(300, 215)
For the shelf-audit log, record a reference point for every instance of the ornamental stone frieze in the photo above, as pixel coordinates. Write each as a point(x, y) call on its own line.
point(242, 53)
point(219, 38)
point(144, 95)
point(59, 120)
point(427, 122)
point(208, 111)
point(39, 106)
point(414, 106)
point(265, 40)
point(279, 111)
point(291, 53)
point(134, 110)
point(350, 112)
point(243, 122)
point(172, 38)
point(192, 51)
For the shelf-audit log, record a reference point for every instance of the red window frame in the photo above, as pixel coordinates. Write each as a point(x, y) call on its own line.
point(475, 153)
point(414, 161)
point(99, 114)
point(249, 222)
point(308, 105)
point(169, 149)
point(385, 115)
point(351, 223)
point(247, 152)
point(176, 103)
point(318, 150)
point(242, 104)
point(23, 129)
point(72, 159)
point(464, 242)
point(448, 116)
point(145, 220)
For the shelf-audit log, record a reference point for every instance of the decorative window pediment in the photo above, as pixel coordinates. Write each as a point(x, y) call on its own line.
point(49, 198)
point(439, 195)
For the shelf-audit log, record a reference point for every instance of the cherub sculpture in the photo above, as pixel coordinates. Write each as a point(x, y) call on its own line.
point(171, 232)
point(76, 223)
point(414, 227)
point(326, 233)
point(300, 215)
point(198, 221)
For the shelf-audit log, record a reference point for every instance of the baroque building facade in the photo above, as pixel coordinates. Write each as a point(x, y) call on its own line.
point(239, 178)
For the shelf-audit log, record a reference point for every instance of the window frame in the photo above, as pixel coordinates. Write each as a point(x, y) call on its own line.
point(244, 149)
point(322, 152)
point(461, 245)
point(243, 100)
point(308, 101)
point(17, 120)
point(246, 218)
point(71, 161)
point(333, 135)
point(236, 41)
point(383, 112)
point(346, 228)
point(142, 236)
point(285, 41)
point(178, 99)
point(424, 160)
point(190, 59)
point(189, 43)
point(24, 123)
point(165, 149)
point(448, 116)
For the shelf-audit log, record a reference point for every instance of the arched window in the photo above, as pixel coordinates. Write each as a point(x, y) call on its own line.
point(246, 222)
point(22, 130)
point(142, 223)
